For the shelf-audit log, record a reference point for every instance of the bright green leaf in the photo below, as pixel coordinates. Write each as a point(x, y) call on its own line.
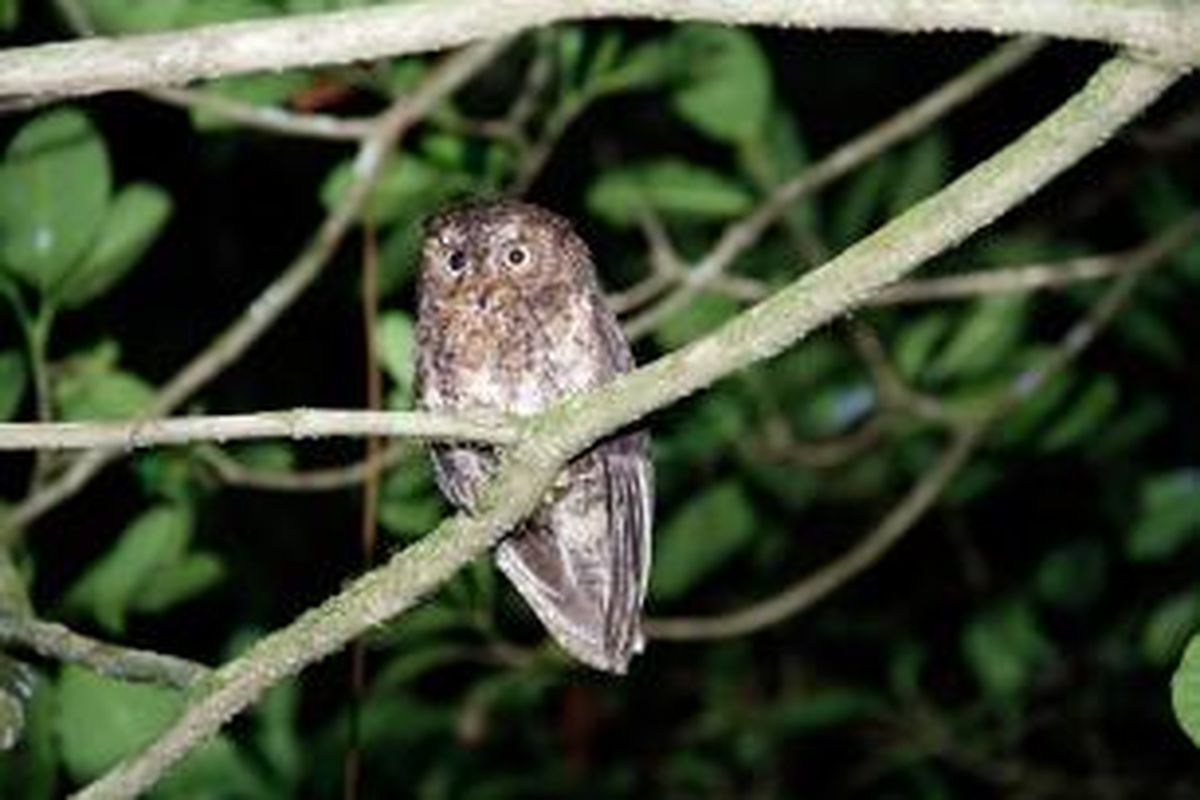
point(134, 219)
point(671, 187)
point(177, 582)
point(12, 383)
point(100, 720)
point(1185, 691)
point(396, 343)
point(110, 587)
point(54, 192)
point(102, 395)
point(726, 92)
point(700, 538)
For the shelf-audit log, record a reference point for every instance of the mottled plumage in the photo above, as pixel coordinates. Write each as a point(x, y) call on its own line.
point(512, 318)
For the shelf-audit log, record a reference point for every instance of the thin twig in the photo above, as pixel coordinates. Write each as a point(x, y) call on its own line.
point(1119, 90)
point(813, 588)
point(298, 423)
point(51, 640)
point(820, 584)
point(1035, 277)
point(229, 346)
point(743, 234)
point(232, 472)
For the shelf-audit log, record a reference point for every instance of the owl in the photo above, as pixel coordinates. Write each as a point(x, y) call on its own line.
point(511, 318)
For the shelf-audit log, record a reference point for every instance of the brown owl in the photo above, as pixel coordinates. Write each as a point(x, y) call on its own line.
point(511, 318)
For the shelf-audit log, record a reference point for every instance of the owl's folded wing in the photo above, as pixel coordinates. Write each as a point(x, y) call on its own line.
point(582, 562)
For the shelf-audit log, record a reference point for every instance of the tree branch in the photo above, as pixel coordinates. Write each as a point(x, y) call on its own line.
point(298, 423)
point(1166, 28)
point(51, 640)
point(907, 122)
point(813, 588)
point(1117, 92)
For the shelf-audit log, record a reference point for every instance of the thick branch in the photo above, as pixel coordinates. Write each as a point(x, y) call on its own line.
point(1119, 90)
point(299, 423)
point(1171, 30)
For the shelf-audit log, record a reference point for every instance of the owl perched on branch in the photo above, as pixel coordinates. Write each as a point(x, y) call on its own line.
point(512, 318)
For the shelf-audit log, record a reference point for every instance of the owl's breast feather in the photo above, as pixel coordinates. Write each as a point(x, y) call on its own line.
point(519, 357)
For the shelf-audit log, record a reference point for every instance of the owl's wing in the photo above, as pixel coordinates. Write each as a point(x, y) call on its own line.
point(582, 563)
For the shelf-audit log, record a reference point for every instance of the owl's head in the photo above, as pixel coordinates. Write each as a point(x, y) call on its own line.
point(479, 253)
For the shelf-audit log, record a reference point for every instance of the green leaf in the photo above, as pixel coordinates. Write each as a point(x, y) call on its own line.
point(177, 582)
point(12, 383)
point(143, 16)
point(153, 542)
point(917, 343)
point(1169, 626)
point(396, 343)
point(1005, 647)
point(1169, 518)
point(134, 16)
point(985, 338)
point(54, 192)
point(1073, 575)
point(277, 736)
point(1084, 418)
point(408, 503)
point(703, 314)
point(670, 187)
point(128, 715)
point(30, 771)
point(102, 395)
point(859, 205)
point(134, 219)
point(10, 14)
point(727, 90)
point(700, 538)
point(265, 90)
point(923, 170)
point(406, 189)
point(1185, 691)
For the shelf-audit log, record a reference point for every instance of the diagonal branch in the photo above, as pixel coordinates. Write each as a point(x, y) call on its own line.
point(1168, 28)
point(1118, 91)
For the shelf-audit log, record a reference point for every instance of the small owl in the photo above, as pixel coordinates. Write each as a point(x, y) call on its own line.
point(511, 318)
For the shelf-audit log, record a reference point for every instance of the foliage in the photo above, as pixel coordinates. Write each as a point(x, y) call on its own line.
point(1046, 598)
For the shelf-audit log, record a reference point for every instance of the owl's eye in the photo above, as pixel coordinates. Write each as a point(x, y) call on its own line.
point(517, 256)
point(457, 261)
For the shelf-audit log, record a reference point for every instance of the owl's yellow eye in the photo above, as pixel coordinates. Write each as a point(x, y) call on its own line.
point(517, 256)
point(457, 261)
